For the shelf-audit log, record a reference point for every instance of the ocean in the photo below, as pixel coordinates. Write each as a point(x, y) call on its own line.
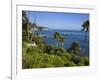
point(70, 37)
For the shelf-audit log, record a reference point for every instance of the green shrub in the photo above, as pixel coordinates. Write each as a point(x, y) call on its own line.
point(70, 63)
point(60, 51)
point(80, 64)
point(45, 56)
point(27, 61)
point(24, 47)
point(38, 39)
point(86, 61)
point(76, 59)
point(58, 61)
point(49, 49)
point(75, 48)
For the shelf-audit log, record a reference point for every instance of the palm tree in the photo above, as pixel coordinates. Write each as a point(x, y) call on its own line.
point(62, 39)
point(85, 26)
point(57, 37)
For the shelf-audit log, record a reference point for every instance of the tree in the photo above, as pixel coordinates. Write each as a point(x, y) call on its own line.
point(85, 26)
point(75, 48)
point(50, 49)
point(34, 27)
point(57, 36)
point(39, 28)
point(62, 39)
point(24, 26)
point(24, 17)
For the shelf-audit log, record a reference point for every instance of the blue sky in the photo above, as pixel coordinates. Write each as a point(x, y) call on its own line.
point(55, 20)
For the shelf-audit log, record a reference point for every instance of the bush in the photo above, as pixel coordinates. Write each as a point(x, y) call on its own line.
point(80, 64)
point(38, 39)
point(58, 61)
point(75, 48)
point(86, 61)
point(24, 47)
point(27, 61)
point(60, 51)
point(49, 49)
point(41, 60)
point(43, 56)
point(70, 63)
point(76, 59)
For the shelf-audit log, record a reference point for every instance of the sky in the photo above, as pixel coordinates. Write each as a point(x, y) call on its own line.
point(58, 20)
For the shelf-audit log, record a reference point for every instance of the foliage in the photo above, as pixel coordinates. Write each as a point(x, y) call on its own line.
point(59, 38)
point(43, 56)
point(75, 48)
point(49, 49)
point(85, 26)
point(39, 29)
point(60, 51)
point(76, 59)
point(24, 26)
point(38, 39)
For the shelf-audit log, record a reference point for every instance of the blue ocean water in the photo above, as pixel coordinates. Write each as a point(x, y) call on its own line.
point(70, 36)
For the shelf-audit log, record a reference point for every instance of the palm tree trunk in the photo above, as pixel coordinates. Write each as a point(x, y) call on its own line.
point(85, 37)
point(83, 47)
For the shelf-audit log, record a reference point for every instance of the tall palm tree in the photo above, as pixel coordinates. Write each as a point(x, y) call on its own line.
point(62, 39)
point(85, 26)
point(57, 37)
